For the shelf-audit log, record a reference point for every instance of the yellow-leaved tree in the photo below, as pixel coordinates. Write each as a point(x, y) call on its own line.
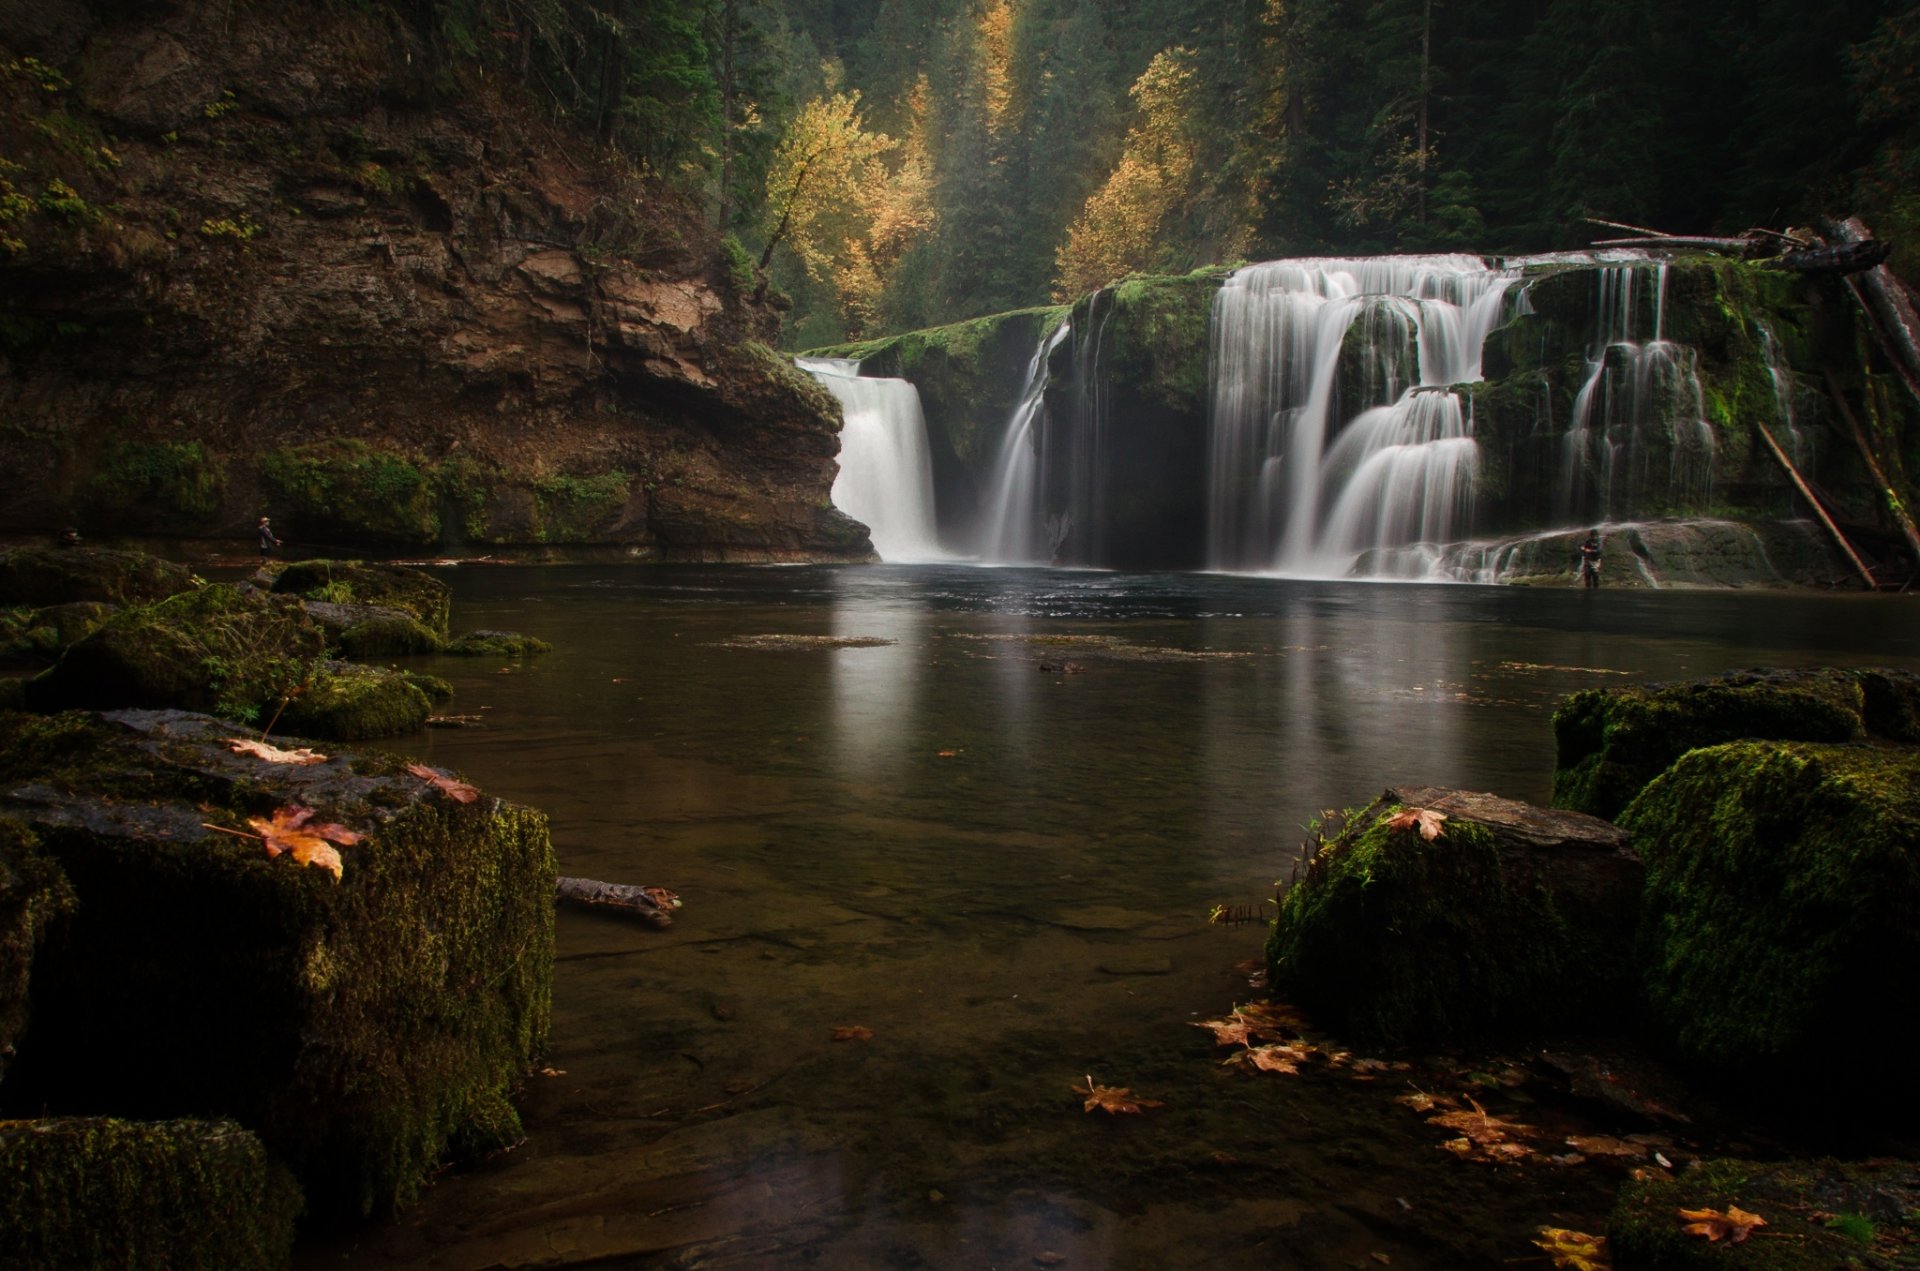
point(1120, 231)
point(848, 213)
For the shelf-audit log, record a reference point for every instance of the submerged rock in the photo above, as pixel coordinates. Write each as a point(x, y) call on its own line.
point(1612, 742)
point(365, 1028)
point(58, 575)
point(504, 644)
point(99, 1192)
point(1508, 917)
point(1780, 928)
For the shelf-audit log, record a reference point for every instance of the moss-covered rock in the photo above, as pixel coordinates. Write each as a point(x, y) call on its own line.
point(40, 576)
point(345, 702)
point(39, 636)
point(1512, 917)
point(387, 636)
point(34, 895)
point(435, 688)
point(151, 1196)
point(498, 644)
point(1782, 922)
point(410, 591)
point(1820, 1216)
point(235, 653)
point(1612, 742)
point(360, 1027)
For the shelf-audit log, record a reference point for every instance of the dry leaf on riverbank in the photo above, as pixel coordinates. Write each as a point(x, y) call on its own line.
point(272, 754)
point(1431, 824)
point(1484, 1137)
point(456, 789)
point(853, 1033)
point(1112, 1099)
point(291, 831)
point(1732, 1225)
point(1573, 1250)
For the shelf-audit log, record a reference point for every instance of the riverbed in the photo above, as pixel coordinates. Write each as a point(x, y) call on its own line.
point(984, 815)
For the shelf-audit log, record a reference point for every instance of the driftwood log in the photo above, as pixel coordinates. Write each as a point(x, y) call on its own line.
point(652, 905)
point(1889, 307)
point(1835, 259)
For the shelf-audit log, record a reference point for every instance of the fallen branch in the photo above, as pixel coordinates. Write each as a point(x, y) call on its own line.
point(652, 905)
point(1890, 310)
point(1813, 501)
point(1887, 492)
point(1739, 246)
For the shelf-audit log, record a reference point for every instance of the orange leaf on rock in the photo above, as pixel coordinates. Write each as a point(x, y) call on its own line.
point(456, 789)
point(272, 754)
point(853, 1033)
point(1431, 824)
point(1732, 1225)
point(1573, 1250)
point(291, 831)
point(1112, 1099)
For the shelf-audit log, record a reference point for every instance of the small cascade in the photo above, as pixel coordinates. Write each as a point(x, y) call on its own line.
point(1074, 479)
point(1333, 427)
point(1013, 530)
point(1640, 405)
point(1795, 440)
point(886, 470)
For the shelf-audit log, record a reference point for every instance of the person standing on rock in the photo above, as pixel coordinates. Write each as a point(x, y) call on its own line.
point(1589, 552)
point(267, 541)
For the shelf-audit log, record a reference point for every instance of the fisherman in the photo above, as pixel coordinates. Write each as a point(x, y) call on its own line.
point(1589, 556)
point(267, 541)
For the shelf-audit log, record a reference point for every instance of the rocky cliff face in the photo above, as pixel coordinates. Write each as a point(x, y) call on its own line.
point(269, 259)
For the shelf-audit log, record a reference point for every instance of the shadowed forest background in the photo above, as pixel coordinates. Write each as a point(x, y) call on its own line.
point(897, 163)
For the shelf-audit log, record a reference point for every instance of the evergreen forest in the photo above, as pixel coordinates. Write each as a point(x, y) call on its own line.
point(897, 163)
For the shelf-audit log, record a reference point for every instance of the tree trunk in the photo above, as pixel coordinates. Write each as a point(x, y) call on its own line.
point(1813, 501)
point(1895, 506)
point(1888, 305)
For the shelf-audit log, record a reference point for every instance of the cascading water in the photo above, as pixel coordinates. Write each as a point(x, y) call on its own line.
point(886, 470)
point(1797, 445)
point(1333, 427)
point(1641, 400)
point(1013, 529)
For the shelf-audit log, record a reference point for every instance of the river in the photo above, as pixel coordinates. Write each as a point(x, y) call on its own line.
point(985, 814)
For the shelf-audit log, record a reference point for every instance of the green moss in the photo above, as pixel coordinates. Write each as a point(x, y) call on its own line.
point(435, 688)
point(1612, 742)
point(96, 1192)
point(1781, 922)
point(349, 489)
point(344, 702)
point(387, 637)
point(218, 648)
point(361, 1027)
point(572, 508)
point(59, 575)
point(420, 595)
point(498, 644)
point(34, 897)
point(30, 636)
point(155, 485)
point(1395, 938)
point(1646, 1232)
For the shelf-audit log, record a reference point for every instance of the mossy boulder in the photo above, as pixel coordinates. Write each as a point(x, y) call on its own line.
point(421, 596)
point(387, 636)
point(217, 648)
point(40, 576)
point(364, 1027)
point(498, 644)
point(345, 702)
point(1820, 1215)
point(1612, 742)
point(1782, 922)
point(1510, 918)
point(39, 636)
point(144, 1196)
point(34, 896)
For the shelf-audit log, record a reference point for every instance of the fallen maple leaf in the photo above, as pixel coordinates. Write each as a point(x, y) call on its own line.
point(456, 789)
point(1271, 1019)
point(1734, 1225)
point(1573, 1250)
point(1231, 1031)
point(1112, 1099)
point(271, 754)
point(853, 1033)
point(290, 831)
point(1485, 1137)
point(1282, 1057)
point(662, 897)
point(1426, 820)
point(1604, 1145)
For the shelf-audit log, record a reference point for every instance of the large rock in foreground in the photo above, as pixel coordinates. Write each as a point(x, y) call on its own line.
point(96, 1192)
point(34, 896)
point(1782, 922)
point(364, 1027)
point(57, 575)
point(1612, 742)
point(1509, 917)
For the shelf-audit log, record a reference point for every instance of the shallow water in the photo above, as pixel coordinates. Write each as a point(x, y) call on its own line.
point(995, 842)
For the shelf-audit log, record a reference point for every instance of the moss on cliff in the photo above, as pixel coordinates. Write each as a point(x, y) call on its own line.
point(143, 485)
point(353, 489)
point(145, 1196)
point(360, 1027)
point(1781, 921)
point(571, 509)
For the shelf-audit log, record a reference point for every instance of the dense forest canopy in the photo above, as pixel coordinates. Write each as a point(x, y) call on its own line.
point(895, 163)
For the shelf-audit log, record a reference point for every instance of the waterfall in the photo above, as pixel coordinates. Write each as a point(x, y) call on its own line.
point(886, 470)
point(1333, 430)
point(1641, 398)
point(1013, 530)
point(1796, 446)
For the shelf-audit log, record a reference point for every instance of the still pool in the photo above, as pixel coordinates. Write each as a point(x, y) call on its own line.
point(985, 814)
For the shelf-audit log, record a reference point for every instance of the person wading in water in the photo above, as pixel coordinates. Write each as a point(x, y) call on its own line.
point(267, 541)
point(1589, 554)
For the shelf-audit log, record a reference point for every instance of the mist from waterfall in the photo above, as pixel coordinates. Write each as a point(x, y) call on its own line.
point(886, 469)
point(1333, 427)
